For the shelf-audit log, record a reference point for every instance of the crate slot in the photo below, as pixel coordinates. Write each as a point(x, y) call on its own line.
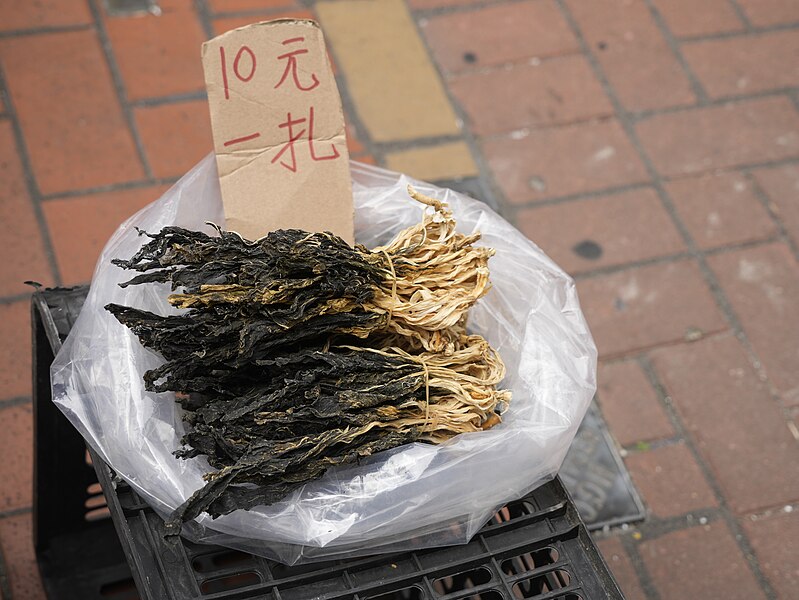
point(384, 571)
point(541, 584)
point(216, 561)
point(217, 585)
point(413, 592)
point(120, 590)
point(466, 580)
point(97, 514)
point(487, 595)
point(97, 501)
point(281, 571)
point(511, 511)
point(334, 584)
point(530, 561)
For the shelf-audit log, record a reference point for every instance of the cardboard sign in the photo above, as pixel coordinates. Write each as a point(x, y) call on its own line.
point(278, 129)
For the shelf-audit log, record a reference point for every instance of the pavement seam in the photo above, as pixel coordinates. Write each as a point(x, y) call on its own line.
point(579, 275)
point(15, 512)
point(351, 115)
point(5, 582)
point(636, 116)
point(203, 12)
point(119, 86)
point(765, 201)
point(16, 401)
point(708, 275)
point(171, 99)
point(794, 96)
point(715, 102)
point(627, 187)
point(641, 572)
point(728, 516)
point(6, 300)
point(739, 33)
point(565, 199)
point(461, 8)
point(675, 257)
point(30, 180)
point(352, 118)
point(42, 30)
point(114, 187)
point(501, 67)
point(741, 14)
point(422, 142)
point(488, 184)
point(693, 80)
point(527, 130)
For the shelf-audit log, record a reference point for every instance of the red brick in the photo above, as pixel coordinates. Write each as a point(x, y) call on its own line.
point(720, 209)
point(647, 306)
point(73, 125)
point(691, 18)
point(770, 12)
point(554, 92)
point(498, 34)
point(563, 161)
point(745, 65)
point(159, 55)
point(229, 23)
point(763, 286)
point(16, 469)
point(354, 145)
point(739, 429)
point(670, 480)
point(16, 538)
point(42, 13)
point(225, 6)
point(80, 227)
point(24, 256)
point(701, 562)
point(702, 139)
point(630, 405)
point(626, 227)
point(365, 158)
point(634, 55)
point(15, 350)
point(781, 184)
point(175, 136)
point(776, 543)
point(621, 567)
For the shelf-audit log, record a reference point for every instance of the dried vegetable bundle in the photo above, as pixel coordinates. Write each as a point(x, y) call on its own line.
point(297, 352)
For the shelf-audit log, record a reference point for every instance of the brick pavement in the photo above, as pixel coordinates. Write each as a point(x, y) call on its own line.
point(650, 146)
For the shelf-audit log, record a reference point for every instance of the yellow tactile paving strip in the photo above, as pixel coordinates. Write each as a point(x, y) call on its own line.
point(395, 87)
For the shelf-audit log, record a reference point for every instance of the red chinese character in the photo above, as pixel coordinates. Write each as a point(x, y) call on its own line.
point(236, 67)
point(293, 137)
point(311, 139)
point(291, 66)
point(289, 124)
point(239, 140)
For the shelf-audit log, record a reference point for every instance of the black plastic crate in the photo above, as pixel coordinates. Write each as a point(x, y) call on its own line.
point(536, 547)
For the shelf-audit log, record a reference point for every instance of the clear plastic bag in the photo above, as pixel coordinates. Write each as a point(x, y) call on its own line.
point(414, 496)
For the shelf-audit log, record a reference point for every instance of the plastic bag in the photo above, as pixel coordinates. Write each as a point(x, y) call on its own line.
point(414, 496)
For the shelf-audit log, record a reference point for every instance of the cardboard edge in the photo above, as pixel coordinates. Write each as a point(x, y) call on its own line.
point(282, 21)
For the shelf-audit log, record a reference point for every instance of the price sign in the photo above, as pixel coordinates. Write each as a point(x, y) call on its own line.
point(278, 129)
